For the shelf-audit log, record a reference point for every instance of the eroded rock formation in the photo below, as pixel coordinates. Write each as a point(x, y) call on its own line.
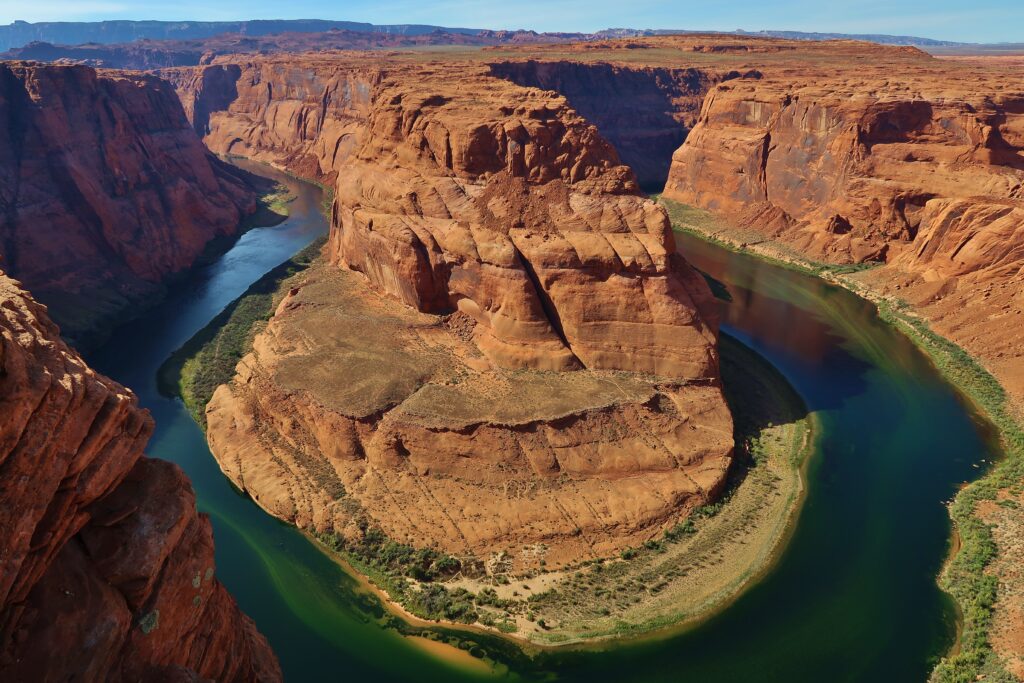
point(106, 568)
point(646, 112)
point(850, 152)
point(924, 174)
point(104, 190)
point(520, 250)
point(844, 170)
point(355, 411)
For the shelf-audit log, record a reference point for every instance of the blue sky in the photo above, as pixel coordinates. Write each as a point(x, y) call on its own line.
point(966, 20)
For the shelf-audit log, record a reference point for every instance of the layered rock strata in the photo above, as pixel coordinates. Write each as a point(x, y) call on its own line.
point(645, 111)
point(925, 176)
point(844, 170)
point(354, 411)
point(105, 190)
point(849, 152)
point(106, 568)
point(509, 231)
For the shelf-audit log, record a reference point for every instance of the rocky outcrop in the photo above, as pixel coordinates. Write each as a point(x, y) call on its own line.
point(481, 196)
point(302, 115)
point(843, 171)
point(354, 412)
point(646, 112)
point(106, 568)
point(818, 150)
point(515, 260)
point(845, 166)
point(105, 191)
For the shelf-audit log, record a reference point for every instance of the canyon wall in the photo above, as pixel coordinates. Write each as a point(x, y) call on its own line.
point(524, 268)
point(645, 111)
point(924, 175)
point(846, 152)
point(106, 569)
point(503, 203)
point(105, 191)
point(844, 169)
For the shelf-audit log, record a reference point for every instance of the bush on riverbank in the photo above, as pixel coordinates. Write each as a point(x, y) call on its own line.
point(390, 565)
point(965, 577)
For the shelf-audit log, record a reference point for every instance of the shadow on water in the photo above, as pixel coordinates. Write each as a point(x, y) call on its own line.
point(853, 598)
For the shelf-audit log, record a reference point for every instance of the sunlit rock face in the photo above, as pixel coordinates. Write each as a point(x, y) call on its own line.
point(106, 568)
point(495, 224)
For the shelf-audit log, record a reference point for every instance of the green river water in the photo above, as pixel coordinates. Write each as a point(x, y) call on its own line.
point(852, 598)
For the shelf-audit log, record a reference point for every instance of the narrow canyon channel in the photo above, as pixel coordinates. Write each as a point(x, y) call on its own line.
point(852, 598)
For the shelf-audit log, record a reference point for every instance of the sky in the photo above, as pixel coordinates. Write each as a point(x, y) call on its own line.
point(961, 20)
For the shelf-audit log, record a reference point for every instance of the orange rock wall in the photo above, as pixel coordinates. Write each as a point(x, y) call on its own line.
point(106, 569)
point(645, 111)
point(848, 170)
point(460, 193)
point(457, 190)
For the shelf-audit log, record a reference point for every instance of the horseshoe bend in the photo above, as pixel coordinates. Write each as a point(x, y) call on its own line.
point(544, 376)
point(519, 319)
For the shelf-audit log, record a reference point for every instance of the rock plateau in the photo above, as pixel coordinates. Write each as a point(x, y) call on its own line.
point(523, 354)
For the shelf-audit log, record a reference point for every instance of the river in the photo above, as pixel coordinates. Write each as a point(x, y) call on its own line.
point(853, 597)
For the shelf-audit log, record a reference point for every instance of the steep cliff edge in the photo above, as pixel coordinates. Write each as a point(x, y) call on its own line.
point(104, 190)
point(845, 170)
point(645, 111)
point(529, 351)
point(925, 177)
point(819, 152)
point(106, 568)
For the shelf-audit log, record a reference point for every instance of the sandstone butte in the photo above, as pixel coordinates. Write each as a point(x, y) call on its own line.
point(107, 569)
point(523, 364)
point(105, 191)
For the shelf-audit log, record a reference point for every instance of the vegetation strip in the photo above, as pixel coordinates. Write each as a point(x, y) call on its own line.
point(965, 576)
point(208, 359)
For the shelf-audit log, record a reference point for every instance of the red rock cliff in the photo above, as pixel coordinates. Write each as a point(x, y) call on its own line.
point(924, 173)
point(645, 111)
point(105, 190)
point(846, 151)
point(846, 168)
point(457, 190)
point(106, 569)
